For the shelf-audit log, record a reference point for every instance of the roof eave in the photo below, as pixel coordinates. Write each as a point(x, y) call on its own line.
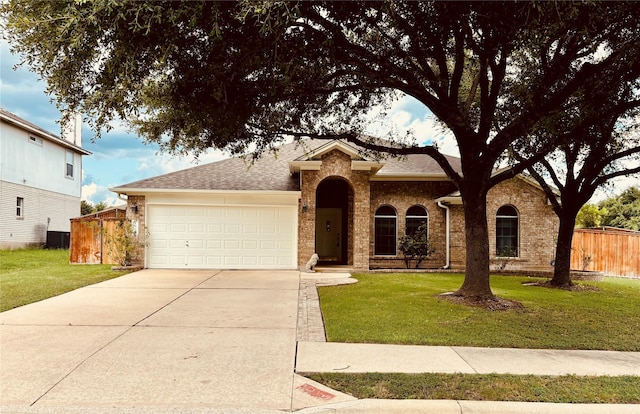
point(410, 177)
point(139, 190)
point(297, 166)
point(450, 199)
point(43, 134)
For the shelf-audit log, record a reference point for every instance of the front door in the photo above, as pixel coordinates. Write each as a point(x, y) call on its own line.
point(328, 234)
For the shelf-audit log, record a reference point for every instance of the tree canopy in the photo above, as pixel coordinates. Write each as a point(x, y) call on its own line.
point(602, 143)
point(622, 210)
point(198, 74)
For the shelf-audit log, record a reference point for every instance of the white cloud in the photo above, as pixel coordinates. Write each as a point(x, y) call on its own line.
point(407, 115)
point(88, 191)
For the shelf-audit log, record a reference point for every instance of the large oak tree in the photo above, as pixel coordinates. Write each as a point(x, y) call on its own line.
point(195, 75)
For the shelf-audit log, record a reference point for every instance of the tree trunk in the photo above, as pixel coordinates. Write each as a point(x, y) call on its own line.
point(562, 268)
point(476, 278)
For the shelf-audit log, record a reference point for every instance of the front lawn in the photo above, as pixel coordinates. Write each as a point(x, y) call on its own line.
point(30, 275)
point(486, 387)
point(404, 309)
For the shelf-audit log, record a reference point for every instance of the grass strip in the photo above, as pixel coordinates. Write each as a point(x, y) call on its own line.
point(405, 308)
point(31, 275)
point(481, 387)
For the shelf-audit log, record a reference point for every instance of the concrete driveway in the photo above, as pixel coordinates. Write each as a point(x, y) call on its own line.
point(155, 338)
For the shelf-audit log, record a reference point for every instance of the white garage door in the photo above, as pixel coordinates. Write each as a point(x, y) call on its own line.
point(221, 237)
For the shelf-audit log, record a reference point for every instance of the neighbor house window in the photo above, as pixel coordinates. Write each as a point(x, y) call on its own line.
point(20, 207)
point(36, 140)
point(507, 232)
point(385, 231)
point(416, 217)
point(69, 164)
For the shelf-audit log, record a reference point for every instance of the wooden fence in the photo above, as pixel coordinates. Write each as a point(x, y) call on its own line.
point(614, 252)
point(87, 240)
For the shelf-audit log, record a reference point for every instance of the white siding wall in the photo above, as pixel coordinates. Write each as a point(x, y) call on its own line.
point(35, 172)
point(42, 166)
point(43, 210)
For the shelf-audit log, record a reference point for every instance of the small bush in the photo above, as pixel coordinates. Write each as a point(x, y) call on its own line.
point(416, 247)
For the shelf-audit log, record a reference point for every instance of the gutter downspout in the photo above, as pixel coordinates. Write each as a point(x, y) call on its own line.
point(448, 234)
point(120, 197)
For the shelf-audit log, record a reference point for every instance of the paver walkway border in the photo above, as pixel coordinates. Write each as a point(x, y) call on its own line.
point(310, 322)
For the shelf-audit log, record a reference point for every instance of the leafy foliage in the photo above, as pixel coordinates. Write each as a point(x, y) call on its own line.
point(85, 207)
point(124, 244)
point(623, 211)
point(590, 215)
point(416, 247)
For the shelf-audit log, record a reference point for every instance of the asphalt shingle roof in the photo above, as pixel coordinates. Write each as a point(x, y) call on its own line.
point(270, 172)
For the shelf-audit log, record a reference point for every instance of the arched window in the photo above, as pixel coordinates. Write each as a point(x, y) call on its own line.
point(507, 232)
point(416, 217)
point(385, 231)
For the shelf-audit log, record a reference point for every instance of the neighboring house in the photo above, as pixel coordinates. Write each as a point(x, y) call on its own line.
point(324, 196)
point(40, 181)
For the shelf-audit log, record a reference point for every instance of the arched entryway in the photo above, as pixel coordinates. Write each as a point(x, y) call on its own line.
point(334, 215)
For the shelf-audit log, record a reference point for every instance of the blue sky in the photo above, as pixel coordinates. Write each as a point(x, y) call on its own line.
point(120, 157)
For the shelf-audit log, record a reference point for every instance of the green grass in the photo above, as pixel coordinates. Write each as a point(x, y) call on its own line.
point(30, 275)
point(563, 389)
point(404, 309)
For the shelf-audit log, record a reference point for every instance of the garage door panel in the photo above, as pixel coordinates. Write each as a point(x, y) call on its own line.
point(214, 244)
point(250, 244)
point(250, 229)
point(222, 236)
point(196, 244)
point(217, 228)
point(214, 261)
point(230, 213)
point(195, 260)
point(232, 229)
point(196, 228)
point(231, 244)
point(177, 228)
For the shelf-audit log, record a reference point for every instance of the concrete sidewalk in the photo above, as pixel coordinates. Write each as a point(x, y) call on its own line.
point(341, 357)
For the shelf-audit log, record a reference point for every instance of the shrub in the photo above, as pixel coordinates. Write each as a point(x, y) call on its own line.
point(416, 247)
point(123, 243)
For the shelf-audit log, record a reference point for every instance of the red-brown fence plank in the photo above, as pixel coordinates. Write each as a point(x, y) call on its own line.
point(612, 252)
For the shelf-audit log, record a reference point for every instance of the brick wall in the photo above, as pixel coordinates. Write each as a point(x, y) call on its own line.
point(537, 222)
point(336, 164)
point(537, 226)
point(138, 216)
point(401, 196)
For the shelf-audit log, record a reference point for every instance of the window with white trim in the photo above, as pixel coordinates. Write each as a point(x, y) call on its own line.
point(20, 207)
point(416, 217)
point(507, 232)
point(69, 164)
point(385, 231)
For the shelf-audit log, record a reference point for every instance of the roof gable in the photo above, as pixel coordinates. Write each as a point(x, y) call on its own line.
point(317, 153)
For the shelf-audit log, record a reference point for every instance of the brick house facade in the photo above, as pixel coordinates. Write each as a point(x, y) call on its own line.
point(334, 194)
point(537, 223)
